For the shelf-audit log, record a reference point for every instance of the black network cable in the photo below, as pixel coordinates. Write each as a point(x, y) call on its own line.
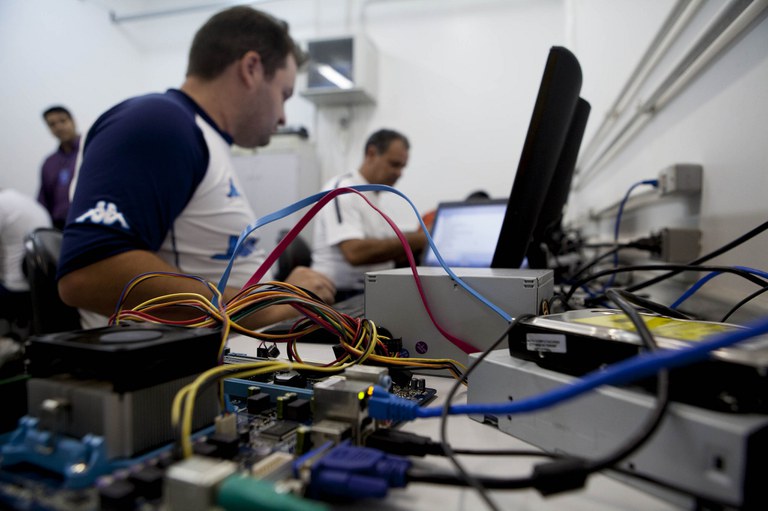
point(570, 473)
point(651, 244)
point(662, 391)
point(583, 268)
point(702, 259)
point(404, 443)
point(567, 472)
point(604, 244)
point(501, 484)
point(675, 269)
point(743, 302)
point(558, 298)
point(650, 305)
point(466, 477)
point(507, 452)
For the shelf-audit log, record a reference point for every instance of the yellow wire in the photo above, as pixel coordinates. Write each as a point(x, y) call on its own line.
point(189, 392)
point(254, 298)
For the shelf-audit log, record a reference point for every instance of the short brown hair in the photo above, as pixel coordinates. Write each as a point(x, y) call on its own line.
point(381, 139)
point(56, 109)
point(228, 35)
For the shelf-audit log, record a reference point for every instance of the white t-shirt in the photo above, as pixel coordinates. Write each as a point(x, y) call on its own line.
point(19, 215)
point(217, 208)
point(347, 217)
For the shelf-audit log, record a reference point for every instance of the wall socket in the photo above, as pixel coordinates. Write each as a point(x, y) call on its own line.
point(679, 245)
point(682, 178)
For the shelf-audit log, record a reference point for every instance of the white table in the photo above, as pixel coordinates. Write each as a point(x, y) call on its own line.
point(600, 494)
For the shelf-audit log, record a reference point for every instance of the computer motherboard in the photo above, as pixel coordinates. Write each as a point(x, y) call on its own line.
point(97, 434)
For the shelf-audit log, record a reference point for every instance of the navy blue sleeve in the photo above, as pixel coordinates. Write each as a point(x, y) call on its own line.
point(142, 161)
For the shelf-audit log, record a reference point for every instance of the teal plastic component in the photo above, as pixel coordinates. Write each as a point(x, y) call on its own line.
point(243, 493)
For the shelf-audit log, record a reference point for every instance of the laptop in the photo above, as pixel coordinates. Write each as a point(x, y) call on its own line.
point(465, 233)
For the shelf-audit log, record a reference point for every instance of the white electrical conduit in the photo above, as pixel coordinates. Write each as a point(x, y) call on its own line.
point(688, 72)
point(732, 21)
point(677, 19)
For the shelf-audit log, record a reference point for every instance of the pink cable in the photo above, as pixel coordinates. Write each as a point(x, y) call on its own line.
point(280, 248)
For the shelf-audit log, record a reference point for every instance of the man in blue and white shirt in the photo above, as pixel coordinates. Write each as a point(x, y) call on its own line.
point(156, 189)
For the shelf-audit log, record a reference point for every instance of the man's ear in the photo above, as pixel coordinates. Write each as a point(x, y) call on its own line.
point(250, 68)
point(371, 152)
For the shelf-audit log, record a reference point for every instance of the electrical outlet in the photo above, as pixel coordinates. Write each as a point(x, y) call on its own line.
point(683, 178)
point(679, 245)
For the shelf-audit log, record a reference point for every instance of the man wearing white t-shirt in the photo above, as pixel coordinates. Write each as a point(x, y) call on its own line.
point(19, 215)
point(350, 238)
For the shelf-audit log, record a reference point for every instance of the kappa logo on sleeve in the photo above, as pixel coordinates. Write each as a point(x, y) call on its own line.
point(105, 213)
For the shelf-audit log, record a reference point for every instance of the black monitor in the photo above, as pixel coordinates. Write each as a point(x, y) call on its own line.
point(548, 230)
point(547, 132)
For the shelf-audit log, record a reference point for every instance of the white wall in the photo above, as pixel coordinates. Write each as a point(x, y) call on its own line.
point(459, 77)
point(718, 122)
point(55, 52)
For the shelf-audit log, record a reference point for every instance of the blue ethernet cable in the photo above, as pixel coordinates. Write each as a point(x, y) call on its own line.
point(383, 405)
point(651, 182)
point(706, 278)
point(308, 201)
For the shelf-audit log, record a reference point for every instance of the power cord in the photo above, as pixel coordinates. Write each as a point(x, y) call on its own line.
point(650, 243)
point(702, 259)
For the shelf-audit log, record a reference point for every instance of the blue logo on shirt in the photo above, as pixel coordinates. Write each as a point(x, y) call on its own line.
point(64, 176)
point(246, 248)
point(233, 192)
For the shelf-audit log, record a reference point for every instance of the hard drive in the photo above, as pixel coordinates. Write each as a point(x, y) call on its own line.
point(577, 342)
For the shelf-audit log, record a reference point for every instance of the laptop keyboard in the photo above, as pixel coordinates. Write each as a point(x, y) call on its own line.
point(353, 306)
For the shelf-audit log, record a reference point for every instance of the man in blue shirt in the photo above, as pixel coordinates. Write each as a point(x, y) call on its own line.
point(58, 169)
point(157, 191)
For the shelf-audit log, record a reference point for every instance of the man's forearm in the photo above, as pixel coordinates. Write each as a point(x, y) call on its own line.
point(372, 251)
point(97, 287)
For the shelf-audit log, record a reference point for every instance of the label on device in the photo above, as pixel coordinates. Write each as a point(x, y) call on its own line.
point(552, 343)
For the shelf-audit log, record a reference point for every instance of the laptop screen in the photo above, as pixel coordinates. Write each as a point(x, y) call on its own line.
point(466, 233)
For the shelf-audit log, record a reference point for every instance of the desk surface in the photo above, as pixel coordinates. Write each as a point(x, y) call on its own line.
point(601, 493)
